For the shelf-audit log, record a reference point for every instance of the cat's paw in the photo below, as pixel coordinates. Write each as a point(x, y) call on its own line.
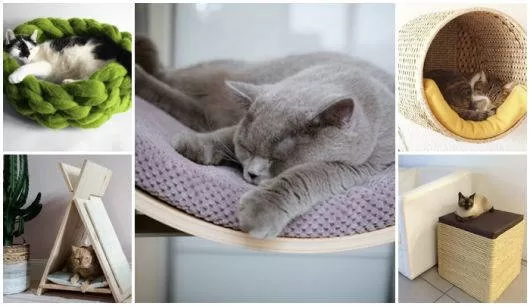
point(85, 286)
point(197, 147)
point(68, 81)
point(491, 112)
point(260, 216)
point(16, 77)
point(74, 280)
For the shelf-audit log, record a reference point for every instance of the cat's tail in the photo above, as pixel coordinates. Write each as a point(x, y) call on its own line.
point(146, 54)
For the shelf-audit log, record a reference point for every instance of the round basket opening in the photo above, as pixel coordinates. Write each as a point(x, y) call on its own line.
point(480, 40)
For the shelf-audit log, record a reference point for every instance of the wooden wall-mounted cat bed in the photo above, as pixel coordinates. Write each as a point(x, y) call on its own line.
point(466, 41)
point(86, 216)
point(177, 219)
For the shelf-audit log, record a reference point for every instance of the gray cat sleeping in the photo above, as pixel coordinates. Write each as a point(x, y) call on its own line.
point(303, 127)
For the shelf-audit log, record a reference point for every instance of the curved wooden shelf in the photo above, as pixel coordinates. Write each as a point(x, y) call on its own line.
point(170, 216)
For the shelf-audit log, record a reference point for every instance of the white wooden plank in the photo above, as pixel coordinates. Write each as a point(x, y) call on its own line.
point(98, 249)
point(94, 180)
point(71, 175)
point(109, 242)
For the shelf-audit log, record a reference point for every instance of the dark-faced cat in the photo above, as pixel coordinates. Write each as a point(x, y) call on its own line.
point(62, 60)
point(473, 97)
point(472, 206)
point(303, 127)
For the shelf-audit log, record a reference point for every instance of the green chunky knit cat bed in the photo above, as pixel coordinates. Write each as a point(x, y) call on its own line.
point(85, 104)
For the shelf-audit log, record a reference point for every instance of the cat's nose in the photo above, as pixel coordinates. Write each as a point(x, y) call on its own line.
point(252, 175)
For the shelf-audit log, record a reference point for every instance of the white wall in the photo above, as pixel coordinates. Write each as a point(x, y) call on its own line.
point(118, 14)
point(45, 177)
point(258, 31)
point(409, 11)
point(501, 178)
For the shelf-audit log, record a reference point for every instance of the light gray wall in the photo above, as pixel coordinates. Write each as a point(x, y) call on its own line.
point(45, 177)
point(151, 270)
point(203, 31)
point(204, 271)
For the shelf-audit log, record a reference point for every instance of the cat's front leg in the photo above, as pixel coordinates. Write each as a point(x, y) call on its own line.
point(74, 280)
point(69, 81)
point(206, 148)
point(40, 69)
point(265, 211)
point(17, 76)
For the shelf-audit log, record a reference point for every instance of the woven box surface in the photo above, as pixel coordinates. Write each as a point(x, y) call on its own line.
point(481, 256)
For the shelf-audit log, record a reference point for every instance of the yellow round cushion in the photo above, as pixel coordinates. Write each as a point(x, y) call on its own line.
point(507, 115)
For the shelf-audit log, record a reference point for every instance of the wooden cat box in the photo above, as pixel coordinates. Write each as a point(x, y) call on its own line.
point(481, 256)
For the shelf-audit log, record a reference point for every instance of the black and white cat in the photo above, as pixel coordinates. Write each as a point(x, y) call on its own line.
point(62, 60)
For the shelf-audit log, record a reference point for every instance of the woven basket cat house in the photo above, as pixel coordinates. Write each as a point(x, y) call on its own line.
point(85, 104)
point(465, 41)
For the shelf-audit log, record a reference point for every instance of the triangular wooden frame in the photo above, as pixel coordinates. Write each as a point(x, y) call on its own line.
point(88, 185)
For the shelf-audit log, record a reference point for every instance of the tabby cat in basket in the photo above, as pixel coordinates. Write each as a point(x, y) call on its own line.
point(473, 97)
point(83, 263)
point(303, 127)
point(472, 206)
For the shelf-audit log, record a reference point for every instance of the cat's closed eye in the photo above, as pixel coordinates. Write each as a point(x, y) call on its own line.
point(283, 149)
point(245, 148)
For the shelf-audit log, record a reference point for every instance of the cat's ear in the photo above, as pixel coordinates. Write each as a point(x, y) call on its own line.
point(34, 36)
point(10, 36)
point(337, 113)
point(74, 248)
point(244, 90)
point(460, 195)
point(483, 78)
point(472, 196)
point(508, 87)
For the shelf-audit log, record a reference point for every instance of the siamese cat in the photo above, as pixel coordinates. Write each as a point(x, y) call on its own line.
point(473, 206)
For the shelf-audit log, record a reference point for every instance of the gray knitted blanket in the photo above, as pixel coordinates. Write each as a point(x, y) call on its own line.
point(211, 193)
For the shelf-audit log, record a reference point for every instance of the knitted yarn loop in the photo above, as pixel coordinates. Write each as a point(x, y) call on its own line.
point(85, 104)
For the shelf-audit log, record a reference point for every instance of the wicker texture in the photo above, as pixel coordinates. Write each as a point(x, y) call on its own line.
point(16, 253)
point(467, 41)
point(482, 267)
